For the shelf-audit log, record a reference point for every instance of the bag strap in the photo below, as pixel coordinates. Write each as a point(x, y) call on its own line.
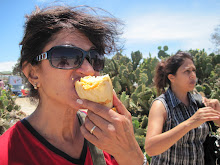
point(96, 154)
point(200, 104)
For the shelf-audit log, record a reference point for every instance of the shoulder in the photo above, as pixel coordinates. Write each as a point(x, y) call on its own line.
point(159, 102)
point(159, 107)
point(162, 98)
point(6, 142)
point(9, 134)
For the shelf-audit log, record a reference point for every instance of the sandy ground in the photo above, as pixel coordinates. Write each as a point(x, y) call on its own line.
point(26, 106)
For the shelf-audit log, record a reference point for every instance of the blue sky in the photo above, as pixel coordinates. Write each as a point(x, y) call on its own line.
point(184, 25)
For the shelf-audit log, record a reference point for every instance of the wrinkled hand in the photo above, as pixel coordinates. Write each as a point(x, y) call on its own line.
point(203, 115)
point(214, 103)
point(113, 132)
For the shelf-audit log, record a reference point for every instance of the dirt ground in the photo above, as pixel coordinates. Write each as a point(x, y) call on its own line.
point(26, 106)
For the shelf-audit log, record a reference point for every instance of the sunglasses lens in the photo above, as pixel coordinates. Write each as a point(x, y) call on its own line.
point(71, 58)
point(66, 58)
point(97, 60)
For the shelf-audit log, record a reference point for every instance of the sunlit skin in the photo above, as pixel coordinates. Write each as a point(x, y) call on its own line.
point(182, 82)
point(65, 91)
point(55, 117)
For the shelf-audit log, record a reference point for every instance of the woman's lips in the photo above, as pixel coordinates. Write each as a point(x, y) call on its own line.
point(75, 79)
point(74, 82)
point(193, 82)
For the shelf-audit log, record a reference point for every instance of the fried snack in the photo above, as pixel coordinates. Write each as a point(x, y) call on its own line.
point(97, 89)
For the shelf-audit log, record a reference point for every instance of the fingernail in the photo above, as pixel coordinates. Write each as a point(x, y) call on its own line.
point(79, 101)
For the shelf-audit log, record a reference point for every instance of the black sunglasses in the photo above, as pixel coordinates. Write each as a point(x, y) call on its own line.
point(71, 57)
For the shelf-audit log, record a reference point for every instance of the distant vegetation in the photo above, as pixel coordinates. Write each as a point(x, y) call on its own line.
point(5, 73)
point(9, 112)
point(132, 79)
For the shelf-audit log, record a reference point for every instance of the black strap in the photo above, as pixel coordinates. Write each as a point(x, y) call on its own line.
point(200, 104)
point(96, 154)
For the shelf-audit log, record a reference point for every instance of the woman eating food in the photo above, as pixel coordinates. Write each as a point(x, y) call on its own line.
point(60, 46)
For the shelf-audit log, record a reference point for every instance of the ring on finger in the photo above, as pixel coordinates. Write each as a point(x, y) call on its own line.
point(91, 131)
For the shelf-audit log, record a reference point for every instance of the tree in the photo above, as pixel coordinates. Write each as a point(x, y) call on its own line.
point(215, 38)
point(16, 68)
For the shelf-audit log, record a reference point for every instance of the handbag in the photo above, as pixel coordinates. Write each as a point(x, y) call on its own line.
point(212, 141)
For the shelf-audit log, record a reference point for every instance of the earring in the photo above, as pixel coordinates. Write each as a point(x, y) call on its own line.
point(35, 86)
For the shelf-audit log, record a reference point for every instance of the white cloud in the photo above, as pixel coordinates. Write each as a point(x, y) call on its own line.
point(166, 27)
point(198, 44)
point(7, 66)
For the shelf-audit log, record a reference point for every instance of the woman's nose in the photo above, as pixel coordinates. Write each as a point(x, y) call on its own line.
point(86, 68)
point(193, 74)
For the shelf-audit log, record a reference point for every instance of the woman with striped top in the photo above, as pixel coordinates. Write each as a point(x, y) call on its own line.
point(176, 127)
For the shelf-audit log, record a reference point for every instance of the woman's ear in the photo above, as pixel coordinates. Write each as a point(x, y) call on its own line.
point(30, 72)
point(171, 77)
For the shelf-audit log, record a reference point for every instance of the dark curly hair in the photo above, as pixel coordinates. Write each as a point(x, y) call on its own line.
point(166, 67)
point(42, 24)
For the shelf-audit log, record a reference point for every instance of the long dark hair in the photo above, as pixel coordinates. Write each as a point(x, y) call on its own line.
point(168, 66)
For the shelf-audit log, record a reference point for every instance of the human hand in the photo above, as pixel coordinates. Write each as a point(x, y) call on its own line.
point(203, 115)
point(214, 103)
point(113, 132)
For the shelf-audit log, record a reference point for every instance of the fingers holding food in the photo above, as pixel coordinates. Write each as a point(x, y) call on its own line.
point(97, 89)
point(92, 128)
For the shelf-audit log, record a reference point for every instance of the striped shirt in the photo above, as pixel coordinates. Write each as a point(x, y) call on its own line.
point(189, 149)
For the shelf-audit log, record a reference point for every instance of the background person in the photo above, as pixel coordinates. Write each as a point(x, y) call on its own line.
point(176, 128)
point(2, 84)
point(52, 133)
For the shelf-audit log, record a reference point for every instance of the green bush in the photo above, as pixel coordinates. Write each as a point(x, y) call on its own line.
point(9, 111)
point(132, 79)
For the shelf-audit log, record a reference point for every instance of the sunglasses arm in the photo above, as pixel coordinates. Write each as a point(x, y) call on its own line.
point(42, 56)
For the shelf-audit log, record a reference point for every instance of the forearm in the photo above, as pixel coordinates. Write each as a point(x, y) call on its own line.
point(159, 143)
